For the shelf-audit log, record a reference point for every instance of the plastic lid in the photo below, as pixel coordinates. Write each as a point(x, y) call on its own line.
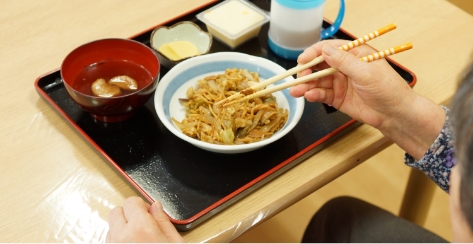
point(300, 4)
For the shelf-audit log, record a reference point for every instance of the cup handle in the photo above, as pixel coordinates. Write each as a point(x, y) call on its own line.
point(330, 31)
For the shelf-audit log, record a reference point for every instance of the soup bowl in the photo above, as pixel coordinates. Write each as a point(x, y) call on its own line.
point(105, 59)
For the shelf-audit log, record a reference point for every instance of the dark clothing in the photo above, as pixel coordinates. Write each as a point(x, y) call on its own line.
point(347, 219)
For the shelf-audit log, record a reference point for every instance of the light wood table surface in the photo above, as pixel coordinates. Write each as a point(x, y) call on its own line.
point(56, 188)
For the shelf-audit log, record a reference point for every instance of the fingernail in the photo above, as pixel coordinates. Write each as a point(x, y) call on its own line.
point(328, 50)
point(158, 205)
point(299, 57)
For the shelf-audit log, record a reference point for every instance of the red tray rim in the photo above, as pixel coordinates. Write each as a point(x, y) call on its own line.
point(231, 195)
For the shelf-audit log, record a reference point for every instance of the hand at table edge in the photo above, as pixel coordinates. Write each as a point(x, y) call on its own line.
point(137, 221)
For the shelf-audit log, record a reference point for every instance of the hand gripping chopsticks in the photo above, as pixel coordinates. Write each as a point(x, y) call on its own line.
point(314, 62)
point(320, 74)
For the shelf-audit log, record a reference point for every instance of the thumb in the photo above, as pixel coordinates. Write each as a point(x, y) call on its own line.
point(165, 225)
point(156, 210)
point(345, 62)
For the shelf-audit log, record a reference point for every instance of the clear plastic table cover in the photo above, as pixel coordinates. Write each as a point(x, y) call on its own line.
point(67, 197)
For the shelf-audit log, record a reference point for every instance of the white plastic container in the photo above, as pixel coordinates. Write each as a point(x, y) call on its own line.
point(296, 28)
point(297, 24)
point(234, 22)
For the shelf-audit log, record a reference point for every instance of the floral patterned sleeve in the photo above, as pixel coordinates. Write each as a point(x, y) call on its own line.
point(439, 159)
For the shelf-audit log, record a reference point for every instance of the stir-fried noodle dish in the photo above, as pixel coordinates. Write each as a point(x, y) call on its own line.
point(239, 123)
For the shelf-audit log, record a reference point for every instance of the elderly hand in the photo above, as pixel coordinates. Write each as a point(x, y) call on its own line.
point(137, 221)
point(369, 92)
point(373, 93)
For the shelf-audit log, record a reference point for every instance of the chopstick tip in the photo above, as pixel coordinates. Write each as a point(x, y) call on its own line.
point(407, 46)
point(386, 29)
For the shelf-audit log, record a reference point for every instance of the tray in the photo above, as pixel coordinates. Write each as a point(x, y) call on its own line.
point(191, 183)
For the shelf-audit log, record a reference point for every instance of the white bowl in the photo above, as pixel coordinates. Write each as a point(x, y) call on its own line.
point(174, 84)
point(181, 31)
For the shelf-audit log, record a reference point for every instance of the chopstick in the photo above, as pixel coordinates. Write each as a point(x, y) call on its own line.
point(314, 62)
point(320, 74)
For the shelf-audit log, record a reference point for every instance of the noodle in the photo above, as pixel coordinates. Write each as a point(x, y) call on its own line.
point(240, 123)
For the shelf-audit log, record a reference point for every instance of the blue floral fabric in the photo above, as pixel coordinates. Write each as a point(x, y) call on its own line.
point(439, 159)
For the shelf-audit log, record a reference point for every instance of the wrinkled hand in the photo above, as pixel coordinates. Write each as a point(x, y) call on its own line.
point(137, 221)
point(369, 92)
point(373, 93)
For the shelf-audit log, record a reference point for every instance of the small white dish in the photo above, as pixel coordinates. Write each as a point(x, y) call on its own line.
point(181, 31)
point(174, 84)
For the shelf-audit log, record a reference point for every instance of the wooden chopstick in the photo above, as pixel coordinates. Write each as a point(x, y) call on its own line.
point(320, 74)
point(302, 67)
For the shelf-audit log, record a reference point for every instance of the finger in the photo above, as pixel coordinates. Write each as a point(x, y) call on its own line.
point(316, 49)
point(324, 82)
point(356, 52)
point(309, 54)
point(156, 210)
point(304, 73)
point(135, 209)
point(340, 89)
point(301, 89)
point(362, 51)
point(320, 95)
point(116, 218)
point(346, 62)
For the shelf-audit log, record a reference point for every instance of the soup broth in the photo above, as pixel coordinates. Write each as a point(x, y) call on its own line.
point(107, 69)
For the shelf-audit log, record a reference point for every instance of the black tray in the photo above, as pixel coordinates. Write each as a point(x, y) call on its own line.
point(194, 184)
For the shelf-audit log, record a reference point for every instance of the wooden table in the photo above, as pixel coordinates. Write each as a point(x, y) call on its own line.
point(55, 187)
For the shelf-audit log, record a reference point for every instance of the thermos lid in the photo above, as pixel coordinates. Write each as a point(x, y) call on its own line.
point(300, 4)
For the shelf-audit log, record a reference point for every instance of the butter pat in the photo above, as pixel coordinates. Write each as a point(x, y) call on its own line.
point(166, 50)
point(178, 50)
point(234, 22)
